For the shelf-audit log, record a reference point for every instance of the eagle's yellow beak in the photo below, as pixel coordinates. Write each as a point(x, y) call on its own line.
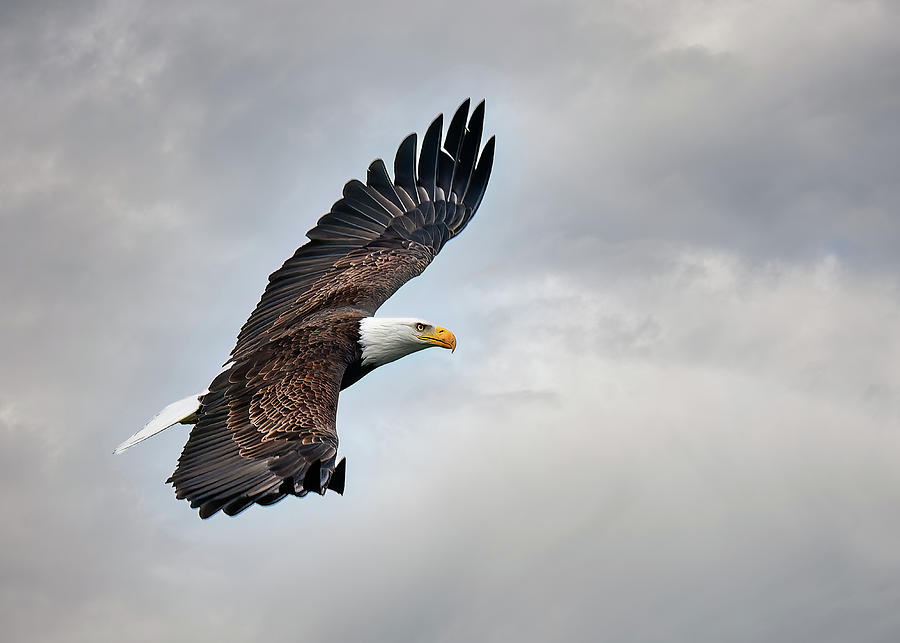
point(441, 337)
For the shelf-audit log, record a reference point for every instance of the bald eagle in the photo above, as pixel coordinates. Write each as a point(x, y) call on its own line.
point(266, 427)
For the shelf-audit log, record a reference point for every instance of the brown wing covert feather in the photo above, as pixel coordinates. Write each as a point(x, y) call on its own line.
point(267, 422)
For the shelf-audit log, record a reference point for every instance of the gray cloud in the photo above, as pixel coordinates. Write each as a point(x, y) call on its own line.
point(673, 412)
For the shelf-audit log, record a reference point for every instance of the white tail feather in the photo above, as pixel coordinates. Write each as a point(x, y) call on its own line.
point(169, 416)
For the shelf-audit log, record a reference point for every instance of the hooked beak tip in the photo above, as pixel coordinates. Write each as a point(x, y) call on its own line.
point(443, 338)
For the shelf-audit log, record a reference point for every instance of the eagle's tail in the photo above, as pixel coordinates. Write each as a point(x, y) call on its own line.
point(180, 412)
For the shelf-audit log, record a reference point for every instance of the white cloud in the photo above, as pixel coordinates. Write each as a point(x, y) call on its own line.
point(674, 408)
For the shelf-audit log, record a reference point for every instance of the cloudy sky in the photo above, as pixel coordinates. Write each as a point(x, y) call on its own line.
point(674, 413)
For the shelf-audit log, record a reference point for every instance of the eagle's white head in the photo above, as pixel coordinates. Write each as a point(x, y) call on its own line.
point(385, 339)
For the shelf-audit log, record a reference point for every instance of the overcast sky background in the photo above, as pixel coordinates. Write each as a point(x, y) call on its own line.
point(674, 413)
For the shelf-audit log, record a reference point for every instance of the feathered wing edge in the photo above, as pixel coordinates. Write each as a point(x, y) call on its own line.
point(215, 474)
point(450, 176)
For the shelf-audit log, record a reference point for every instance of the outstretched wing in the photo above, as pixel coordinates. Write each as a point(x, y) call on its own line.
point(382, 233)
point(266, 428)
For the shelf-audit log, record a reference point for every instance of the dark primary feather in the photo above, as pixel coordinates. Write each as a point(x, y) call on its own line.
point(267, 427)
point(428, 158)
point(405, 168)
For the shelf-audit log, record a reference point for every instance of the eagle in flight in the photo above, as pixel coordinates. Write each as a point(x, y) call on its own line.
point(266, 428)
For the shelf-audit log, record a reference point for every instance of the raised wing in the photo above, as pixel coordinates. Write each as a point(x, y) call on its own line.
point(381, 233)
point(266, 428)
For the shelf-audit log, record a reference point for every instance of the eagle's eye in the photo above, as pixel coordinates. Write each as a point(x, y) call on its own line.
point(420, 327)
